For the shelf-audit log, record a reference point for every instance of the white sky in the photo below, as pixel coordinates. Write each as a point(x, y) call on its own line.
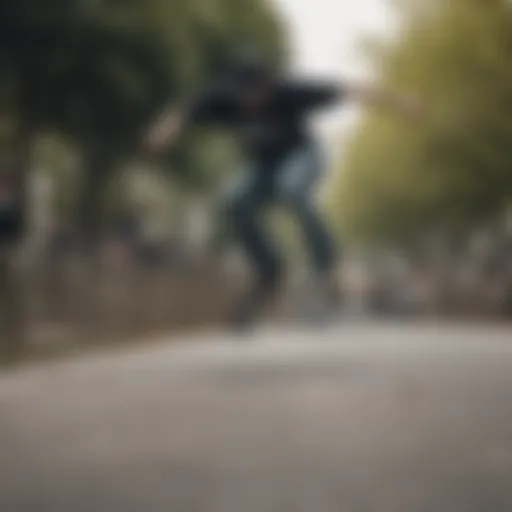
point(324, 36)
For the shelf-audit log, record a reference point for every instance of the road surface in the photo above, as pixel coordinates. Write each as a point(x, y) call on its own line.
point(355, 418)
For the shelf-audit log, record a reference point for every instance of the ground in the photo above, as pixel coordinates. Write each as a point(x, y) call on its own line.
point(353, 418)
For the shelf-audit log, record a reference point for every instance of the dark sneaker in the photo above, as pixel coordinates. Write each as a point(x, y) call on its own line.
point(323, 302)
point(252, 305)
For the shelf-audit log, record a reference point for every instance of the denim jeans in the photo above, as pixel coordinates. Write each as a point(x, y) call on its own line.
point(292, 184)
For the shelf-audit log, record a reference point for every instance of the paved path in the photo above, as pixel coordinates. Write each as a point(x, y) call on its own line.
point(362, 418)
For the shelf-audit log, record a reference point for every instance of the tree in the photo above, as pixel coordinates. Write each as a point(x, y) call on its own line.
point(96, 71)
point(455, 169)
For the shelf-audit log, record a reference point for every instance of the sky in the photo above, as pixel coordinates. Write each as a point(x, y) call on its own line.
point(324, 37)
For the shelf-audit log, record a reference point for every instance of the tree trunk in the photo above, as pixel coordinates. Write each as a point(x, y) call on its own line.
point(14, 216)
point(97, 163)
point(12, 319)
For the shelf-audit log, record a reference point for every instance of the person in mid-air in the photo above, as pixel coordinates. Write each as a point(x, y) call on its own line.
point(270, 112)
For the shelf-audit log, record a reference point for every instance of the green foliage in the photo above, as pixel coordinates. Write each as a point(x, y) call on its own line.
point(104, 66)
point(455, 167)
point(98, 71)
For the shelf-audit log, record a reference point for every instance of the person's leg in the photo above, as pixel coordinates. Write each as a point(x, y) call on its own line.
point(244, 205)
point(298, 178)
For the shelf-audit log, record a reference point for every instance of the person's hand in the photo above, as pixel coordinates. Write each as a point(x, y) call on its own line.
point(162, 133)
point(155, 139)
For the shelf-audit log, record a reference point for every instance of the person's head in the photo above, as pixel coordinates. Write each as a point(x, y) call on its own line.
point(252, 78)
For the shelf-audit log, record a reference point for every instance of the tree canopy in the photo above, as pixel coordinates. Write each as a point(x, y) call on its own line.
point(453, 169)
point(96, 71)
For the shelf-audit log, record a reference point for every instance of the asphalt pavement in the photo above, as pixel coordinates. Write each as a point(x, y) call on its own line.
point(360, 417)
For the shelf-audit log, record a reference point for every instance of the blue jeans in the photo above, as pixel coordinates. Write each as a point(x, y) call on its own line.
point(292, 184)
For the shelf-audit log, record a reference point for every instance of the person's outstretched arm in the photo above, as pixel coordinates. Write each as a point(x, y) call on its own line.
point(406, 104)
point(325, 94)
point(207, 106)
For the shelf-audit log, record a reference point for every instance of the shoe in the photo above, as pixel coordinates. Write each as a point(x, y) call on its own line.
point(251, 306)
point(324, 302)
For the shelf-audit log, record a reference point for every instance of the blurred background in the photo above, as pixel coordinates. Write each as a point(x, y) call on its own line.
point(400, 404)
point(100, 243)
